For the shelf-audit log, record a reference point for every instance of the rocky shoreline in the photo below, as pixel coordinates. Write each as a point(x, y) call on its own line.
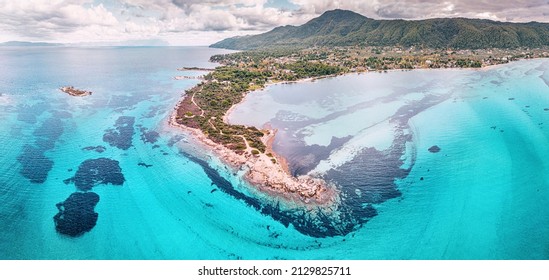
point(267, 173)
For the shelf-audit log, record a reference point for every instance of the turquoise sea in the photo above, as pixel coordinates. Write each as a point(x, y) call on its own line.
point(430, 164)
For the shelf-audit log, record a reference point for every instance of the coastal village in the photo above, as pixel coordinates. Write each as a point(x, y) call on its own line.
point(204, 108)
point(363, 59)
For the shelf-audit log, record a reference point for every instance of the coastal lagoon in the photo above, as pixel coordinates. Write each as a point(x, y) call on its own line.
point(431, 164)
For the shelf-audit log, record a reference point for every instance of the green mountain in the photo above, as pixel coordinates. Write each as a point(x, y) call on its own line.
point(347, 28)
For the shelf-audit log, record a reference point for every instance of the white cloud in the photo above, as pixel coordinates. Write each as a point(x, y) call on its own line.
point(518, 10)
point(205, 21)
point(46, 19)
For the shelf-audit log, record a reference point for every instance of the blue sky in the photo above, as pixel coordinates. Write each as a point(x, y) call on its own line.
point(282, 4)
point(202, 22)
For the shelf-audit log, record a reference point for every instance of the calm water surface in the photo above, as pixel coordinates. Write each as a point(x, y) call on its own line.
point(102, 177)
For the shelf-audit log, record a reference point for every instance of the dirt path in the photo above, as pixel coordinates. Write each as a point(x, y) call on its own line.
point(248, 148)
point(192, 100)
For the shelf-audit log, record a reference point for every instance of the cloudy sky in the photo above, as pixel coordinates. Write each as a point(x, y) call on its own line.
point(201, 22)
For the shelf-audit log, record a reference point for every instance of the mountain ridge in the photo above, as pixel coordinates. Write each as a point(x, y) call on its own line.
point(347, 28)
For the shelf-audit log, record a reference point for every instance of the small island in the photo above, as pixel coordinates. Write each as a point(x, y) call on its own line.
point(70, 90)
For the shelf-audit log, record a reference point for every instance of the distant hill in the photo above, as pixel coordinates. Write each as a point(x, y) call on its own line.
point(27, 44)
point(347, 28)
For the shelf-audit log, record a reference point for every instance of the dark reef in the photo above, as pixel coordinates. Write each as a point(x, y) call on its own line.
point(121, 135)
point(364, 182)
point(175, 139)
point(144, 164)
point(374, 173)
point(51, 128)
point(149, 136)
point(34, 165)
point(77, 214)
point(436, 149)
point(305, 158)
point(48, 133)
point(61, 114)
point(29, 113)
point(93, 172)
point(154, 111)
point(315, 223)
point(99, 149)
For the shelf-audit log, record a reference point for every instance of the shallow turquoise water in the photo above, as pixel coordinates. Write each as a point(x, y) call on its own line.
point(483, 196)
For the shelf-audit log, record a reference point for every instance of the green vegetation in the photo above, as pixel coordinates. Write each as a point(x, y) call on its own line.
point(468, 63)
point(205, 105)
point(289, 65)
point(346, 28)
point(303, 69)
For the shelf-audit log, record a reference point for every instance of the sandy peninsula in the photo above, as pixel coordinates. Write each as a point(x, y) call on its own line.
point(267, 172)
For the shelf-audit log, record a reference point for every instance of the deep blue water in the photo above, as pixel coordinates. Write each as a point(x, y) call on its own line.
point(104, 177)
